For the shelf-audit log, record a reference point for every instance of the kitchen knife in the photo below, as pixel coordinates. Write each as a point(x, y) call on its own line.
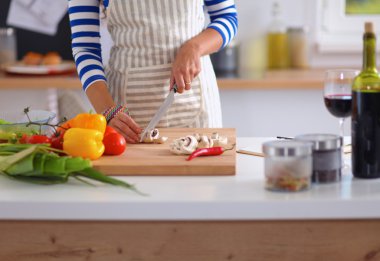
point(161, 111)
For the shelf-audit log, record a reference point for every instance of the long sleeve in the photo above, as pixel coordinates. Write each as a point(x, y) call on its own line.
point(84, 22)
point(223, 16)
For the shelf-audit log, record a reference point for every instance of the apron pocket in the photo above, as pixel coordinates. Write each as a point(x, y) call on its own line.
point(146, 89)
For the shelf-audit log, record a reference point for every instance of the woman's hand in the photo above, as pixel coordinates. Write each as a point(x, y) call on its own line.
point(186, 66)
point(127, 127)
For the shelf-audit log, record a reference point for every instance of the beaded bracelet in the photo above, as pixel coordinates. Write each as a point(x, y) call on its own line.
point(111, 112)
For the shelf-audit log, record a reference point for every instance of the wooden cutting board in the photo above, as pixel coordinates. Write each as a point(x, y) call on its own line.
point(156, 159)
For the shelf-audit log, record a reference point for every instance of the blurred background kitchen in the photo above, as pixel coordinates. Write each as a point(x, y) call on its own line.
point(263, 93)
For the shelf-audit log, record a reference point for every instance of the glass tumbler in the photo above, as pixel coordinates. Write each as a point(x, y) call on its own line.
point(8, 49)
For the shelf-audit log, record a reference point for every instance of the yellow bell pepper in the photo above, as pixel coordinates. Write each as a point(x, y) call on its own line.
point(85, 143)
point(89, 121)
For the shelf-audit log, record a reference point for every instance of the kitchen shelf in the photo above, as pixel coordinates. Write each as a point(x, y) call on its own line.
point(273, 79)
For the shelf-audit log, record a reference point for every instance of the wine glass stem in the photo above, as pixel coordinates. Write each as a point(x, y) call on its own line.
point(341, 130)
point(341, 127)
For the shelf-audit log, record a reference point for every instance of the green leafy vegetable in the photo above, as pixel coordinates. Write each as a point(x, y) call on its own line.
point(41, 164)
point(4, 122)
point(7, 135)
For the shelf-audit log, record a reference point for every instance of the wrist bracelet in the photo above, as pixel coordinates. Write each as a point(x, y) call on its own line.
point(111, 112)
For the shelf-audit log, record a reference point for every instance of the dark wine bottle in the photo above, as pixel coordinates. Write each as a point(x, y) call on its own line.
point(365, 126)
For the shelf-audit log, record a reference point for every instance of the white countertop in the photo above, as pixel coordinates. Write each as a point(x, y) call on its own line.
point(240, 197)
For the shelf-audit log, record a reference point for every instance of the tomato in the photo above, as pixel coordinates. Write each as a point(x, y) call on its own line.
point(109, 130)
point(64, 126)
point(57, 140)
point(114, 143)
point(35, 139)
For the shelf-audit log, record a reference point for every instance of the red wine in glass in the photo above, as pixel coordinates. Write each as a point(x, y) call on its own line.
point(339, 105)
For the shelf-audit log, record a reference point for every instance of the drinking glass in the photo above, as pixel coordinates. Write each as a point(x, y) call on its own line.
point(337, 94)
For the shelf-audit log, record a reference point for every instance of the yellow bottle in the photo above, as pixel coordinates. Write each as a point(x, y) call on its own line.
point(277, 42)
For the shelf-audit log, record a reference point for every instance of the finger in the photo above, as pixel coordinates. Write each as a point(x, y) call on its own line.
point(130, 122)
point(180, 82)
point(127, 139)
point(197, 69)
point(188, 78)
point(172, 81)
point(126, 130)
point(121, 132)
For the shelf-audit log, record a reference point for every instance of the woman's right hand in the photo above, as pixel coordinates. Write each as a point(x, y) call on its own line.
point(126, 126)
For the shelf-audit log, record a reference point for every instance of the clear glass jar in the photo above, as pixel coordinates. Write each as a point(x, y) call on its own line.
point(327, 156)
point(8, 48)
point(298, 47)
point(288, 165)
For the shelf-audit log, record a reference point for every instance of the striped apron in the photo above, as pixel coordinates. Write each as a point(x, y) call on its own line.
point(147, 35)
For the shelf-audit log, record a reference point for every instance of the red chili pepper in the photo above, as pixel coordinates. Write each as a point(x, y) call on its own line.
point(214, 151)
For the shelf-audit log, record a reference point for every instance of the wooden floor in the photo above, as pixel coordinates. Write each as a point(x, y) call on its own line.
point(195, 241)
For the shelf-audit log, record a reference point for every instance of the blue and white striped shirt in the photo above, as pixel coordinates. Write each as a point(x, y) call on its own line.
point(84, 22)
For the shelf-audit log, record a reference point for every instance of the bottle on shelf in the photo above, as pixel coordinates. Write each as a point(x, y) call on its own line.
point(298, 47)
point(8, 48)
point(277, 41)
point(366, 112)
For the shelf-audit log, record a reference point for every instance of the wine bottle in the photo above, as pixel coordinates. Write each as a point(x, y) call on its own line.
point(365, 126)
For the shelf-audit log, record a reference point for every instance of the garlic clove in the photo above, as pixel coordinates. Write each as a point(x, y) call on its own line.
point(220, 142)
point(197, 136)
point(223, 141)
point(148, 139)
point(205, 142)
point(151, 136)
point(160, 140)
point(189, 145)
point(155, 134)
point(215, 136)
point(185, 145)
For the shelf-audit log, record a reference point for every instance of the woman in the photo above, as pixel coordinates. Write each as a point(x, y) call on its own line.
point(156, 43)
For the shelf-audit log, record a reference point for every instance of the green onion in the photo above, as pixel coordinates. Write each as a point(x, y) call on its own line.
point(42, 165)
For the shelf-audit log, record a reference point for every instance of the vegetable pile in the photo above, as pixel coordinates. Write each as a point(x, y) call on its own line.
point(43, 159)
point(41, 164)
point(86, 135)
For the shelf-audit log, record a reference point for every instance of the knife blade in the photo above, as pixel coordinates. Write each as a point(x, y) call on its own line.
point(161, 111)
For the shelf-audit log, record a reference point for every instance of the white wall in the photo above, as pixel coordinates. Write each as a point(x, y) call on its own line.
point(277, 113)
point(255, 17)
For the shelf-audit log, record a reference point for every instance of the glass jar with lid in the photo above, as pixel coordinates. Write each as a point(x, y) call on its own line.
point(288, 165)
point(8, 48)
point(327, 156)
point(298, 47)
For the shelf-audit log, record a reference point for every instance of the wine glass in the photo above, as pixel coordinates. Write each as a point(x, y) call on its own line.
point(337, 95)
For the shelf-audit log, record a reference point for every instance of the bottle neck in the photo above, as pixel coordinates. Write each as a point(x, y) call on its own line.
point(369, 52)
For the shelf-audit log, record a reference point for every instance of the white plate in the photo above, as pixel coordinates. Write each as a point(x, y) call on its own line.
point(19, 68)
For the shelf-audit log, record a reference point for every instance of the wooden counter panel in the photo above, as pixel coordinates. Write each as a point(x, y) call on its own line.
point(9, 82)
point(189, 241)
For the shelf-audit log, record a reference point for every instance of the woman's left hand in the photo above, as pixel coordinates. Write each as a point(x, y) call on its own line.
point(186, 66)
